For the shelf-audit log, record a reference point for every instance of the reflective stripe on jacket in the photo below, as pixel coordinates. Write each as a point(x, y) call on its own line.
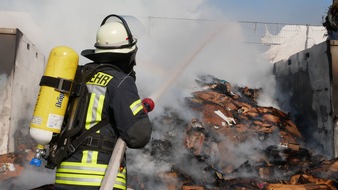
point(84, 174)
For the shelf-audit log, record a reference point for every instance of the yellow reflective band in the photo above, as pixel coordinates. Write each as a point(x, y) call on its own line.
point(89, 156)
point(90, 109)
point(84, 168)
point(83, 164)
point(88, 180)
point(121, 175)
point(95, 155)
point(136, 106)
point(120, 187)
point(99, 109)
point(101, 79)
point(121, 181)
point(80, 171)
point(84, 156)
point(78, 179)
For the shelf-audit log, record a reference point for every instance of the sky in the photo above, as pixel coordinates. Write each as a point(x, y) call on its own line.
point(171, 54)
point(286, 11)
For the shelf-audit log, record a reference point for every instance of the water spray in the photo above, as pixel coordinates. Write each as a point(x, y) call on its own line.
point(187, 61)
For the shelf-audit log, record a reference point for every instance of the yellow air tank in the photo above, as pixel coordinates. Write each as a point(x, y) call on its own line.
point(52, 103)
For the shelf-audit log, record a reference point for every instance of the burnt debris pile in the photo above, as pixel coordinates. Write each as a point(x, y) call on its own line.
point(230, 143)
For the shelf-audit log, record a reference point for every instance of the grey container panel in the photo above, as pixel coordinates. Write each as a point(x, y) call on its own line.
point(7, 50)
point(305, 79)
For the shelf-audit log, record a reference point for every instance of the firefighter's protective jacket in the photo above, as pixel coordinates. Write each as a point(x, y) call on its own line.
point(114, 96)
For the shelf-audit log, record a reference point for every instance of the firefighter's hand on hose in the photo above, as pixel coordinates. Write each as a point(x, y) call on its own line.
point(148, 105)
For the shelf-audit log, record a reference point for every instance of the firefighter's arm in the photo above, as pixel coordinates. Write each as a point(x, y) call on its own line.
point(139, 134)
point(132, 121)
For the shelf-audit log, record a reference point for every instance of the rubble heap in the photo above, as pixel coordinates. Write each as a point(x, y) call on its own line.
point(12, 164)
point(233, 143)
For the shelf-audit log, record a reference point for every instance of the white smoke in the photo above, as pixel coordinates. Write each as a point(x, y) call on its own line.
point(31, 177)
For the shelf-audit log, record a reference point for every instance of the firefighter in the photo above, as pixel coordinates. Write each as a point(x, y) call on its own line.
point(113, 96)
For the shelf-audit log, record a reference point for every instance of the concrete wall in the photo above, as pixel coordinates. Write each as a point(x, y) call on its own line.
point(306, 80)
point(21, 67)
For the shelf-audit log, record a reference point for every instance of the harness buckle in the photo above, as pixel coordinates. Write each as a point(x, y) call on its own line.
point(64, 85)
point(71, 148)
point(89, 141)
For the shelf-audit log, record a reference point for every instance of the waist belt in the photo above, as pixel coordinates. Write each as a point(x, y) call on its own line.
point(99, 143)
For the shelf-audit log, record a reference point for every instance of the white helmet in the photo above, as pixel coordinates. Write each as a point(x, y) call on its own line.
point(114, 36)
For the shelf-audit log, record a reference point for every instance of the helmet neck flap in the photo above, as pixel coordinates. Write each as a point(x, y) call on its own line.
point(125, 61)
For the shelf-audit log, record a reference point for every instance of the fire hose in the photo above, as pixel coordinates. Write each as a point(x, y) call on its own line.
point(114, 164)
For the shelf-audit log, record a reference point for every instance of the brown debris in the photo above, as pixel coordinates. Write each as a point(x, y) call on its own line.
point(195, 137)
point(11, 165)
point(249, 115)
point(192, 187)
point(333, 167)
point(297, 187)
point(170, 179)
point(303, 181)
point(250, 93)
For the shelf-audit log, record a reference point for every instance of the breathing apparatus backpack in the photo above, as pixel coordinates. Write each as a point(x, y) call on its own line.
point(60, 111)
point(73, 133)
